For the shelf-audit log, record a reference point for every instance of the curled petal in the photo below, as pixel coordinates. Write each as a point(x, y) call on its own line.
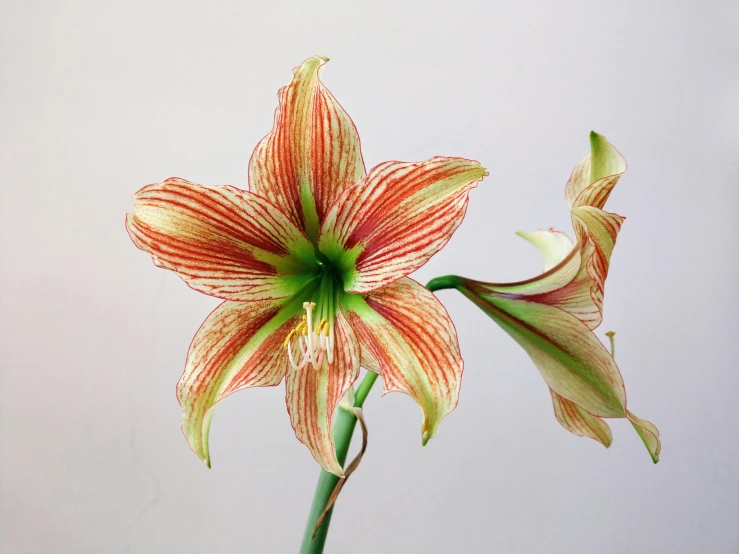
point(312, 153)
point(572, 360)
point(552, 316)
point(392, 222)
point(577, 283)
point(649, 435)
point(238, 346)
point(222, 241)
point(579, 292)
point(594, 177)
point(411, 341)
point(313, 394)
point(600, 230)
point(554, 246)
point(579, 422)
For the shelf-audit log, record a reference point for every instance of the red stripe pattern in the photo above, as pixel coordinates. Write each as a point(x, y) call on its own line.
point(408, 337)
point(579, 292)
point(313, 143)
point(582, 295)
point(598, 229)
point(238, 346)
point(222, 241)
point(579, 422)
point(399, 216)
point(312, 396)
point(552, 316)
point(592, 187)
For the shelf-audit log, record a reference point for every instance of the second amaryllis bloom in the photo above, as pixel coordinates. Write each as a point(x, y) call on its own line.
point(312, 265)
point(552, 316)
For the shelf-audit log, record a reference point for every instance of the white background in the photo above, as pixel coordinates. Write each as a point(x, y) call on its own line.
point(100, 98)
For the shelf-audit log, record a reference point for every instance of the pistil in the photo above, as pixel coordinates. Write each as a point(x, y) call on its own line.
point(312, 339)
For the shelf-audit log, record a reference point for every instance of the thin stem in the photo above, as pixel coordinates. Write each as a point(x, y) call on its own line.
point(445, 282)
point(343, 430)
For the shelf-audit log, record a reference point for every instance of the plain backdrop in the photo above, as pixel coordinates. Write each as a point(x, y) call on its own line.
point(100, 98)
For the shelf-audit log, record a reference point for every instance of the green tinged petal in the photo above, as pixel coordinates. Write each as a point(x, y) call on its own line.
point(554, 246)
point(239, 345)
point(573, 362)
point(407, 336)
point(649, 435)
point(605, 159)
point(579, 422)
point(552, 316)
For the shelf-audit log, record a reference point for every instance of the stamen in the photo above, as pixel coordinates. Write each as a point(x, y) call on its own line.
point(612, 337)
point(313, 344)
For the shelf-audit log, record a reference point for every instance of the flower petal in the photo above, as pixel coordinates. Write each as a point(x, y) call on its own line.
point(399, 216)
point(594, 177)
point(411, 339)
point(238, 346)
point(222, 241)
point(554, 246)
point(599, 230)
point(578, 421)
point(572, 360)
point(552, 280)
point(577, 284)
point(312, 153)
point(312, 396)
point(649, 435)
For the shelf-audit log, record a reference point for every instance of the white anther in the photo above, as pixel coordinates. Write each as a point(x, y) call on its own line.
point(313, 343)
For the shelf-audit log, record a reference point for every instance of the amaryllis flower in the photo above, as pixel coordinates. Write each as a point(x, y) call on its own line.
point(552, 316)
point(311, 263)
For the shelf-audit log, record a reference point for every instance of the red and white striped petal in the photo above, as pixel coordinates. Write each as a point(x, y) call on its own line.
point(576, 296)
point(399, 216)
point(576, 285)
point(579, 422)
point(599, 230)
point(594, 177)
point(409, 338)
point(313, 394)
point(575, 281)
point(585, 382)
point(312, 153)
point(222, 241)
point(239, 345)
point(572, 360)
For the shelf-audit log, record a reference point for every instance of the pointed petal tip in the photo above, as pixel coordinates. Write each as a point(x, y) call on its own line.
point(597, 142)
point(425, 438)
point(649, 435)
point(324, 58)
point(597, 139)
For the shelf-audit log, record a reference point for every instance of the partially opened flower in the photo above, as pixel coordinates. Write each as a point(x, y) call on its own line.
point(552, 316)
point(311, 263)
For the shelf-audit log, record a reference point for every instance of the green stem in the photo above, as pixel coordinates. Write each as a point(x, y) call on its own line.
point(343, 429)
point(445, 282)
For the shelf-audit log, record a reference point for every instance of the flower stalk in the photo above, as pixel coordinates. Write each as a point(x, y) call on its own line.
point(315, 539)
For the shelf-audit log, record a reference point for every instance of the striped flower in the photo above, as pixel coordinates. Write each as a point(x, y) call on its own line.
point(552, 316)
point(312, 266)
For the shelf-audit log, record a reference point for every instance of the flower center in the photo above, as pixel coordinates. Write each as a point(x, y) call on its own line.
point(312, 340)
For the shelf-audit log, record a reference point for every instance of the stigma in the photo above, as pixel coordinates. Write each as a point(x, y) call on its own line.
point(312, 340)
